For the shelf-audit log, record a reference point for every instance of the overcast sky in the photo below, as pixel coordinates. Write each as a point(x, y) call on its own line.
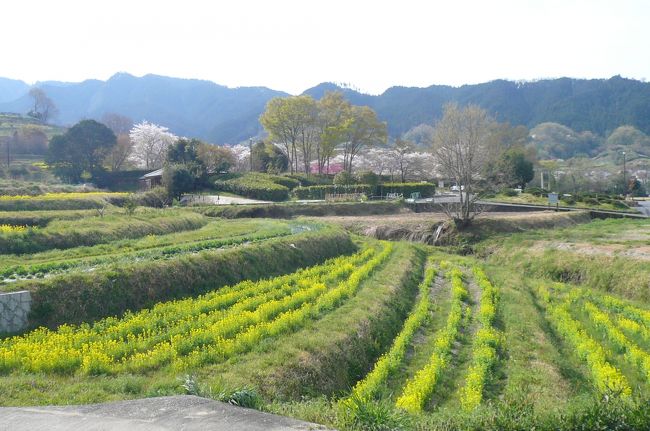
point(293, 45)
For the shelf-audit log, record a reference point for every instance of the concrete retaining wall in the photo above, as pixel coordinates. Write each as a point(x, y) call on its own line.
point(14, 309)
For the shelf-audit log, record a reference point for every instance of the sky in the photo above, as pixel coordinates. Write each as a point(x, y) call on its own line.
point(294, 45)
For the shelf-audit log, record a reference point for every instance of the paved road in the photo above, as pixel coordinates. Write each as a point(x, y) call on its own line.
point(163, 413)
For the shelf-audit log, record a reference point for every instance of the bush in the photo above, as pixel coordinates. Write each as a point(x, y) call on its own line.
point(157, 197)
point(537, 191)
point(255, 186)
point(311, 180)
point(343, 178)
point(319, 192)
point(508, 192)
point(368, 177)
point(568, 200)
point(426, 190)
point(84, 297)
point(290, 183)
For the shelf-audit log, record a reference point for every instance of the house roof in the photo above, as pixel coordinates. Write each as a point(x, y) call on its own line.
point(154, 174)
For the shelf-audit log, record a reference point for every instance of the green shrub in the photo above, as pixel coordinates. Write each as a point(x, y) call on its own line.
point(84, 297)
point(537, 191)
point(426, 190)
point(368, 177)
point(319, 192)
point(311, 180)
point(255, 186)
point(344, 179)
point(568, 200)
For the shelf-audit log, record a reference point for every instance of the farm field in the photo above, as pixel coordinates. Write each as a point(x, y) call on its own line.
point(544, 328)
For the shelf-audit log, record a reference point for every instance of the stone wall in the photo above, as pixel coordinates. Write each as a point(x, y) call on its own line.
point(14, 309)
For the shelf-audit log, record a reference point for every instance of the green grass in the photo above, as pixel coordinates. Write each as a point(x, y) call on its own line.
point(526, 198)
point(63, 234)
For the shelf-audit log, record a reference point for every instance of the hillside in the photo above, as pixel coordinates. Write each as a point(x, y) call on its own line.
point(188, 107)
point(227, 115)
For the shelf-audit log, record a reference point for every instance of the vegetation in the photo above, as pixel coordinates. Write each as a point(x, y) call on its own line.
point(257, 186)
point(96, 230)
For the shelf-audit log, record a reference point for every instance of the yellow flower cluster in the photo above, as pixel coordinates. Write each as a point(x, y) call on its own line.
point(418, 389)
point(606, 378)
point(486, 342)
point(633, 353)
point(193, 331)
point(7, 228)
point(391, 360)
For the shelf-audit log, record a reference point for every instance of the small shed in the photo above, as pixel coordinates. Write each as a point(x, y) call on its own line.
point(151, 180)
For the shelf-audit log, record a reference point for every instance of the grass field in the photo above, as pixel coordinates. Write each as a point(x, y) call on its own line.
point(540, 328)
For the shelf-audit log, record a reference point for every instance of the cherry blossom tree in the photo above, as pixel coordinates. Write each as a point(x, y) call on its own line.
point(150, 143)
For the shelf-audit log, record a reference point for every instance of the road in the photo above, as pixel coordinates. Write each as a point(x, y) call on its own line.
point(182, 412)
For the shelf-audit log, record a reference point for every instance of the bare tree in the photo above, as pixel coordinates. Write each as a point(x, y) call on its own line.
point(460, 144)
point(44, 108)
point(120, 153)
point(119, 124)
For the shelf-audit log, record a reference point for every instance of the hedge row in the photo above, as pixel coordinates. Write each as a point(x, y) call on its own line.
point(63, 234)
point(319, 192)
point(289, 210)
point(426, 190)
point(257, 186)
point(85, 297)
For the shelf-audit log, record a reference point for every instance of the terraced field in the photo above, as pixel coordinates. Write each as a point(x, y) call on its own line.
point(297, 318)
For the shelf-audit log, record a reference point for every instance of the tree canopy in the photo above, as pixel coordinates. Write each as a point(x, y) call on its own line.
point(80, 152)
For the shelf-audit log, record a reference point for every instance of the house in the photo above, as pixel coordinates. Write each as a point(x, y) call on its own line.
point(151, 180)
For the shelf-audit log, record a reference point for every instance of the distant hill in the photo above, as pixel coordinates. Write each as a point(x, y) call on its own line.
point(12, 89)
point(188, 107)
point(227, 115)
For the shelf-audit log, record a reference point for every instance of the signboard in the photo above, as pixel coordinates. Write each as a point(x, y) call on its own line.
point(552, 199)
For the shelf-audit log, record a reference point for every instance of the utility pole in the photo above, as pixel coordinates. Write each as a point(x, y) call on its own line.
point(624, 175)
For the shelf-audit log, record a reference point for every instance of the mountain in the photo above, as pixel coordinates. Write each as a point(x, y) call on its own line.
point(189, 107)
point(220, 114)
point(597, 105)
point(11, 89)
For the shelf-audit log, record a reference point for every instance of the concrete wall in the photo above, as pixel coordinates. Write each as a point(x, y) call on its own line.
point(14, 308)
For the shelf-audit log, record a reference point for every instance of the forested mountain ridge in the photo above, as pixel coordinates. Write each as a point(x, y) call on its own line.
point(220, 114)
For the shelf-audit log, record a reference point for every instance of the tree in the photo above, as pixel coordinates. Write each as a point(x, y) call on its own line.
point(150, 143)
point(120, 153)
point(334, 114)
point(516, 169)
point(81, 150)
point(291, 122)
point(215, 158)
point(119, 124)
point(178, 179)
point(363, 129)
point(402, 151)
point(460, 144)
point(43, 108)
